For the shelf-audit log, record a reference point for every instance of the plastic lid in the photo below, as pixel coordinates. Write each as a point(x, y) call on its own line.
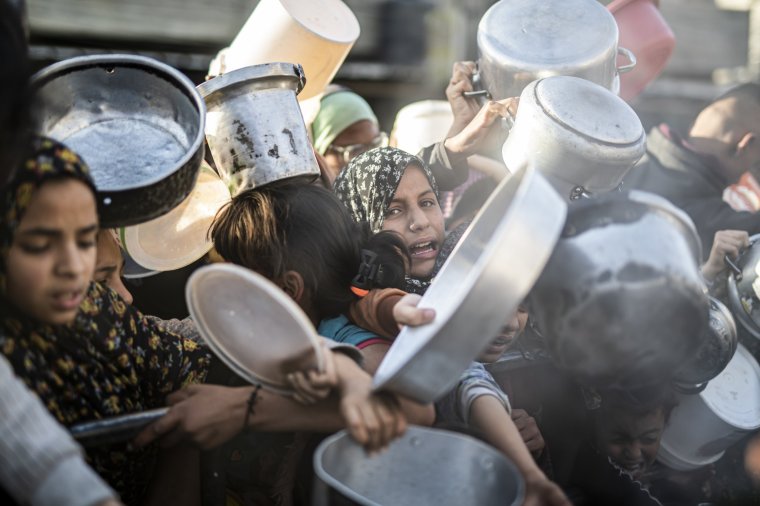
point(179, 238)
point(532, 34)
point(330, 19)
point(734, 395)
point(252, 325)
point(589, 109)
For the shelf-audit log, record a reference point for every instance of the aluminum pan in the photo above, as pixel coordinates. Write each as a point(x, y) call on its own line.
point(424, 466)
point(484, 280)
point(251, 325)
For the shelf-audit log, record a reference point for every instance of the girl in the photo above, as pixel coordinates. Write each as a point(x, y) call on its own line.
point(85, 352)
point(390, 190)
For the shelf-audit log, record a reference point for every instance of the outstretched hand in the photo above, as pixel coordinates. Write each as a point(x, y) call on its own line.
point(406, 312)
point(727, 243)
point(476, 132)
point(312, 385)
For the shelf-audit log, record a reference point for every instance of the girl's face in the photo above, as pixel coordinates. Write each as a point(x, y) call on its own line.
point(414, 213)
point(631, 441)
point(52, 257)
point(110, 265)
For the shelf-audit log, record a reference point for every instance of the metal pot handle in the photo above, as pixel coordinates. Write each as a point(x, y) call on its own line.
point(631, 59)
point(734, 268)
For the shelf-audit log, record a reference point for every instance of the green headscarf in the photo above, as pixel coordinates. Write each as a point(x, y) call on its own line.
point(338, 111)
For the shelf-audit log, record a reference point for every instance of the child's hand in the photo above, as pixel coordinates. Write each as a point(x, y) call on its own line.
point(406, 312)
point(542, 492)
point(529, 431)
point(312, 385)
point(372, 419)
point(727, 243)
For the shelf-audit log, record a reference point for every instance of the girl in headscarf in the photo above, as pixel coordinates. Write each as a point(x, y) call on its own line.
point(84, 351)
point(390, 189)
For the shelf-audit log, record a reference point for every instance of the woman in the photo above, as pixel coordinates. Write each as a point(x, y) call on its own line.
point(84, 351)
point(390, 189)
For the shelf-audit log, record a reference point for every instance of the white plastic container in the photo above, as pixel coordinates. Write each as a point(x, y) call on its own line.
point(421, 124)
point(703, 426)
point(318, 34)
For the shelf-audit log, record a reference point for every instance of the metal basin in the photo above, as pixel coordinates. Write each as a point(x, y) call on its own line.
point(484, 280)
point(424, 466)
point(622, 302)
point(138, 124)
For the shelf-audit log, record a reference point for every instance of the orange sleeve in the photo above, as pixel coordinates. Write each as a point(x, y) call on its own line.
point(374, 311)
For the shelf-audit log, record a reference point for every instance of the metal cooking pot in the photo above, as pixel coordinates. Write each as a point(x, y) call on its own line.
point(583, 137)
point(719, 342)
point(744, 287)
point(621, 301)
point(254, 126)
point(138, 124)
point(520, 41)
point(424, 466)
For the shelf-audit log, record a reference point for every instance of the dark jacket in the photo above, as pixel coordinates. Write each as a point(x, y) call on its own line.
point(690, 181)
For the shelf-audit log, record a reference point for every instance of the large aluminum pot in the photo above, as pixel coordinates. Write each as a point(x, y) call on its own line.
point(703, 426)
point(422, 467)
point(520, 41)
point(254, 126)
point(583, 137)
point(719, 342)
point(138, 124)
point(492, 269)
point(622, 302)
point(744, 287)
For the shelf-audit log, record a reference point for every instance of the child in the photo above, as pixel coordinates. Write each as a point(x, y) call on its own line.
point(85, 352)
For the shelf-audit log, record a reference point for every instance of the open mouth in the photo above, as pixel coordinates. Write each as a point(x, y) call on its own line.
point(68, 299)
point(424, 249)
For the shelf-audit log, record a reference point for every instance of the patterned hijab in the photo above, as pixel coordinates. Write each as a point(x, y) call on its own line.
point(367, 187)
point(49, 160)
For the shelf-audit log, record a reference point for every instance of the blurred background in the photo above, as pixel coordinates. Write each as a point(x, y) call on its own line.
point(406, 47)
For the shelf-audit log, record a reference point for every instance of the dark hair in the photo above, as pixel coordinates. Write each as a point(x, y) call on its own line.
point(14, 90)
point(639, 402)
point(295, 226)
point(743, 92)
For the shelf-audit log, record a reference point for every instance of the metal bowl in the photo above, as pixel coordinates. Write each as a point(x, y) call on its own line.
point(136, 122)
point(744, 288)
point(424, 466)
point(486, 277)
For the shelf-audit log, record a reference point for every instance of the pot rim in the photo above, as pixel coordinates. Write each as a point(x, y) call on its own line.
point(290, 73)
point(161, 70)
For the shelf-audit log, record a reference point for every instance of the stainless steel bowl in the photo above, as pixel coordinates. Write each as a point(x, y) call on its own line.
point(744, 288)
point(422, 467)
point(136, 122)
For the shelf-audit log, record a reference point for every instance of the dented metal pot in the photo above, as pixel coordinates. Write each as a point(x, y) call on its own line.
point(254, 127)
point(621, 302)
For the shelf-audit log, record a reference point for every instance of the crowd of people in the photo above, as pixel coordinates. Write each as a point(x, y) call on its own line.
point(355, 250)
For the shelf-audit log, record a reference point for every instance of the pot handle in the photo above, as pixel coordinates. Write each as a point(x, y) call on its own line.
point(631, 59)
point(734, 268)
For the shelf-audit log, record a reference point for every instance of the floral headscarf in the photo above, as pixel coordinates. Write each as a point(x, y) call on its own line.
point(49, 160)
point(367, 185)
point(111, 360)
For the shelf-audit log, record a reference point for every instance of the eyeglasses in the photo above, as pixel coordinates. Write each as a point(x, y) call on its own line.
point(348, 153)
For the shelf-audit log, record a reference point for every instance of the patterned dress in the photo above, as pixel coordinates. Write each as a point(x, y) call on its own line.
point(110, 361)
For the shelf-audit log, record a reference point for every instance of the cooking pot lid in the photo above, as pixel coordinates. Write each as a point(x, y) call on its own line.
point(734, 395)
point(530, 34)
point(589, 109)
point(252, 325)
point(180, 237)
